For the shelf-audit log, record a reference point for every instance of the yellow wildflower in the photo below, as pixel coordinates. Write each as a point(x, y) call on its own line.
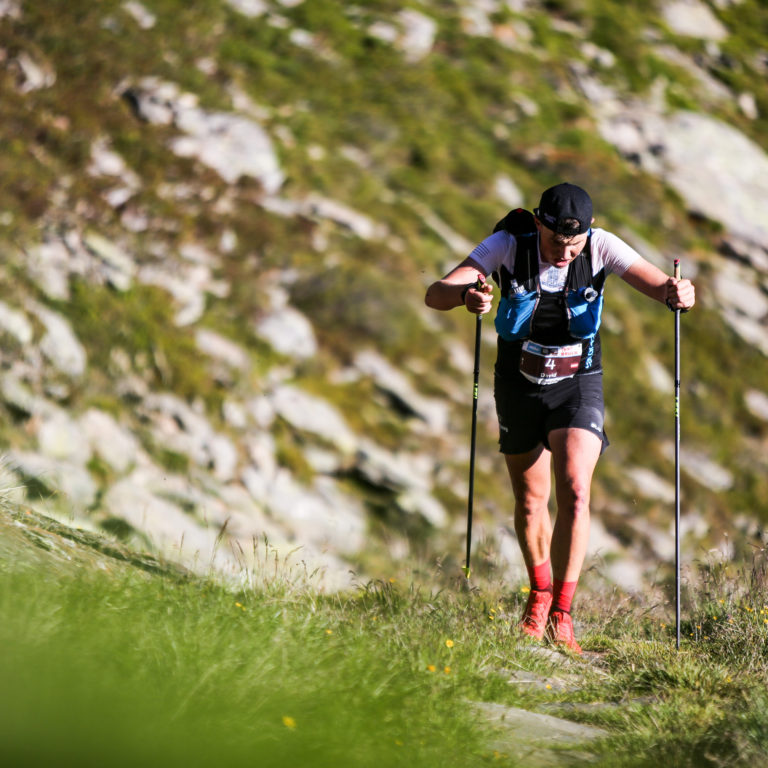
point(289, 722)
point(525, 590)
point(449, 643)
point(447, 670)
point(431, 667)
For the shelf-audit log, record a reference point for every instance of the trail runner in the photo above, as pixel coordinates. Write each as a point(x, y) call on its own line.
point(548, 379)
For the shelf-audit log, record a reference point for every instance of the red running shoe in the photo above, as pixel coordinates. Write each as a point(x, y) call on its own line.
point(534, 621)
point(560, 631)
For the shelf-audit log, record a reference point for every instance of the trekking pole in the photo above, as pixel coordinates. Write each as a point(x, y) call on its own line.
point(677, 467)
point(471, 494)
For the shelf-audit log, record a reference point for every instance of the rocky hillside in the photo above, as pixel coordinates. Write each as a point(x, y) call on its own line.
point(217, 223)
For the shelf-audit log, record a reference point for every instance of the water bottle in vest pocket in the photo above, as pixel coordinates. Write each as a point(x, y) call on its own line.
point(585, 307)
point(513, 317)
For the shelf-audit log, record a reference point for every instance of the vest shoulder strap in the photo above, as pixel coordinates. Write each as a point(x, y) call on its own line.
point(580, 272)
point(527, 261)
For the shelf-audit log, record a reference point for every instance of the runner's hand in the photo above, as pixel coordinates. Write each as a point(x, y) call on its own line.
point(680, 294)
point(478, 299)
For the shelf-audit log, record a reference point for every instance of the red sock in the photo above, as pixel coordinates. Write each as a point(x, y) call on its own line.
point(540, 576)
point(563, 595)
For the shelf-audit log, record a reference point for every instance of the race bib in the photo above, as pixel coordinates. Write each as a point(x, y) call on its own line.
point(546, 365)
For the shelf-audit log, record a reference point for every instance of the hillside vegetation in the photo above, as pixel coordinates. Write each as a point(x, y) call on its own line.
point(180, 178)
point(112, 657)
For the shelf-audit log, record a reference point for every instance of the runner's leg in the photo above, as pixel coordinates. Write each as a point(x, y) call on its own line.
point(531, 485)
point(575, 453)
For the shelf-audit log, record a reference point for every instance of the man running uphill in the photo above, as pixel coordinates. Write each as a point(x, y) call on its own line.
point(548, 378)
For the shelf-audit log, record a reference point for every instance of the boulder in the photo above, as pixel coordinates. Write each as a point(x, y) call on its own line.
point(650, 486)
point(412, 32)
point(60, 437)
point(144, 18)
point(309, 413)
point(48, 265)
point(250, 8)
point(321, 516)
point(757, 403)
point(393, 471)
point(508, 192)
point(59, 343)
point(32, 74)
point(318, 207)
point(111, 442)
point(186, 283)
point(288, 332)
point(700, 467)
point(171, 531)
point(10, 9)
point(720, 173)
point(15, 323)
point(105, 162)
point(391, 380)
point(60, 477)
point(229, 143)
point(692, 18)
point(178, 427)
point(419, 502)
point(221, 349)
point(116, 267)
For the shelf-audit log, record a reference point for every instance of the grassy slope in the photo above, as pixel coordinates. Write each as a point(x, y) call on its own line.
point(111, 659)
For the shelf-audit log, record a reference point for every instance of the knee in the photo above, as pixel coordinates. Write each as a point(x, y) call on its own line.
point(529, 506)
point(573, 499)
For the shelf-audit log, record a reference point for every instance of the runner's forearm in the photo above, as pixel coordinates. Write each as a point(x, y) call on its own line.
point(444, 295)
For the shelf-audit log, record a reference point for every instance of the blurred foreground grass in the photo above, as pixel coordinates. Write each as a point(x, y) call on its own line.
point(113, 660)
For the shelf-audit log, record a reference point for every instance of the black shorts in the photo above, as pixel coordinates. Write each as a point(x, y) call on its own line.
point(527, 414)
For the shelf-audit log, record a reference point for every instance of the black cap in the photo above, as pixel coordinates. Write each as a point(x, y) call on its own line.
point(565, 209)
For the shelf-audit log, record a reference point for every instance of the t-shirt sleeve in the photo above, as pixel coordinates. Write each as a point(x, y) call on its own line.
point(497, 249)
point(612, 252)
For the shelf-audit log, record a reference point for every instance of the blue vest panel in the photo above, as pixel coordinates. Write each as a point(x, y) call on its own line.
point(583, 296)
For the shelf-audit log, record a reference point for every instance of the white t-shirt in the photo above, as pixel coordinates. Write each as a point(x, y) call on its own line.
point(608, 251)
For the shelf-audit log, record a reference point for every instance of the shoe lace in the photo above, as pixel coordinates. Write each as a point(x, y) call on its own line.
point(563, 627)
point(536, 608)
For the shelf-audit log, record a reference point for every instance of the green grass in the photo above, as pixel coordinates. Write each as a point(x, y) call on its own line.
point(110, 659)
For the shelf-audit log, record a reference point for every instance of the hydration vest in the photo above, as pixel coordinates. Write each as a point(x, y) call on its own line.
point(558, 318)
